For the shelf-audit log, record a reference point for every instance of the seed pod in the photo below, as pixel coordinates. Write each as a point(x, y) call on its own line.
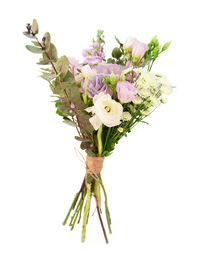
point(46, 40)
point(35, 28)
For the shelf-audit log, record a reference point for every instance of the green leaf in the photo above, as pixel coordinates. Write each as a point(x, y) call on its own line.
point(90, 153)
point(64, 109)
point(62, 65)
point(52, 52)
point(36, 43)
point(45, 69)
point(34, 49)
point(118, 41)
point(69, 78)
point(69, 122)
point(29, 35)
point(81, 139)
point(44, 62)
point(48, 76)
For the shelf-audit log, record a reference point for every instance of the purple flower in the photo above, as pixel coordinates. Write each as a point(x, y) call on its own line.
point(95, 86)
point(139, 49)
point(126, 91)
point(88, 52)
point(91, 60)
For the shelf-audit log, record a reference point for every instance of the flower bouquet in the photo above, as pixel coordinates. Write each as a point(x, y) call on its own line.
point(103, 99)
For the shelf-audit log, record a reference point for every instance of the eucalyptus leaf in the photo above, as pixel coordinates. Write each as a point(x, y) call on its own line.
point(36, 43)
point(29, 35)
point(62, 65)
point(69, 122)
point(34, 49)
point(44, 62)
point(48, 76)
point(78, 138)
point(64, 109)
point(52, 53)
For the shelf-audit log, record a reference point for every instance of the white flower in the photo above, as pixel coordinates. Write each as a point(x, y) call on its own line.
point(87, 72)
point(144, 92)
point(166, 89)
point(106, 111)
point(154, 101)
point(120, 129)
point(129, 42)
point(137, 100)
point(163, 100)
point(145, 112)
point(126, 116)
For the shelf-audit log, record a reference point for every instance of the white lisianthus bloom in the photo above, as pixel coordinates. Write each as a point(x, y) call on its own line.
point(106, 111)
point(87, 72)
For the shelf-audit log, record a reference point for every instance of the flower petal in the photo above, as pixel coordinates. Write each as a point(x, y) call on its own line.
point(96, 122)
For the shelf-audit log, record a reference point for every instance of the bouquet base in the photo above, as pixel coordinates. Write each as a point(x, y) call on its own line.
point(91, 187)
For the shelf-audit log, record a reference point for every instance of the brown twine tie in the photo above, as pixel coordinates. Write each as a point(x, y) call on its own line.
point(94, 165)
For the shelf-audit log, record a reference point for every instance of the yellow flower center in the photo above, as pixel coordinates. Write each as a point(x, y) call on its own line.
point(107, 108)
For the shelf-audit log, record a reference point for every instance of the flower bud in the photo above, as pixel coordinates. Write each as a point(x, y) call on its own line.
point(35, 28)
point(166, 46)
point(122, 77)
point(46, 40)
point(116, 53)
point(112, 78)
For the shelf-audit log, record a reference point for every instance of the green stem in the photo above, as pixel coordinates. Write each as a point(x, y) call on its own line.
point(79, 208)
point(72, 205)
point(106, 141)
point(85, 93)
point(106, 206)
point(86, 212)
point(99, 139)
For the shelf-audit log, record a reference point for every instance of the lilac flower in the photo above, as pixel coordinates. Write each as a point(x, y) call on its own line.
point(93, 55)
point(139, 49)
point(92, 60)
point(126, 91)
point(95, 86)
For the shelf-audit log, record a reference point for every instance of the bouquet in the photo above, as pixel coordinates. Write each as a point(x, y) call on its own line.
point(104, 99)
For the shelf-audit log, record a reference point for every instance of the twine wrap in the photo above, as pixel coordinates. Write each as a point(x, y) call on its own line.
point(94, 165)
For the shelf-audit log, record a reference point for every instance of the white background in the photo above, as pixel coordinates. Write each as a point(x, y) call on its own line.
point(152, 179)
